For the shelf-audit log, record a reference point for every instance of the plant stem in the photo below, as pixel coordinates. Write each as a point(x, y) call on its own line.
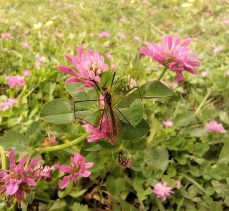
point(203, 101)
point(162, 73)
point(62, 146)
point(160, 205)
point(194, 183)
point(3, 158)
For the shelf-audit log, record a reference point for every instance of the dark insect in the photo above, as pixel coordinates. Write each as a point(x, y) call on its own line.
point(3, 88)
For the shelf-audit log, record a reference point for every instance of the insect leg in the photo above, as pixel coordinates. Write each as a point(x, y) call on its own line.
point(122, 115)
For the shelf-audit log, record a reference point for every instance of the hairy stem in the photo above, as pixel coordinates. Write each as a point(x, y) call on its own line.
point(62, 146)
point(162, 73)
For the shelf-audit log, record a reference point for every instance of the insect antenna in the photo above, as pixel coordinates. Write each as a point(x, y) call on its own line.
point(112, 82)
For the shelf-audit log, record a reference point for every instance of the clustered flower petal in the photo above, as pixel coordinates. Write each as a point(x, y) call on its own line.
point(173, 54)
point(20, 177)
point(77, 168)
point(104, 34)
point(15, 81)
point(101, 132)
point(88, 67)
point(214, 126)
point(162, 190)
point(7, 104)
point(168, 123)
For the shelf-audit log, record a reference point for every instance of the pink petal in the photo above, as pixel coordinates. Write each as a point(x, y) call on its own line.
point(29, 181)
point(72, 80)
point(85, 173)
point(66, 69)
point(12, 187)
point(65, 182)
point(89, 164)
point(64, 168)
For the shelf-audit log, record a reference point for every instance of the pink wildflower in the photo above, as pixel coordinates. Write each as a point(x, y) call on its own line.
point(174, 55)
point(6, 35)
point(114, 66)
point(205, 73)
point(89, 67)
point(168, 123)
point(9, 103)
point(227, 72)
point(15, 81)
point(39, 61)
point(218, 49)
point(226, 21)
point(26, 73)
point(18, 179)
point(77, 168)
point(49, 141)
point(137, 38)
point(101, 132)
point(44, 172)
point(162, 190)
point(109, 56)
point(122, 36)
point(25, 45)
point(132, 82)
point(104, 34)
point(106, 44)
point(214, 126)
point(172, 85)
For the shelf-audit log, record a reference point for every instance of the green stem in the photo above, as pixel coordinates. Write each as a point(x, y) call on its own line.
point(162, 73)
point(203, 102)
point(194, 183)
point(62, 146)
point(160, 205)
point(216, 142)
point(3, 158)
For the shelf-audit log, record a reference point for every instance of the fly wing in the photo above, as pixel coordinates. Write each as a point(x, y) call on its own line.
point(110, 123)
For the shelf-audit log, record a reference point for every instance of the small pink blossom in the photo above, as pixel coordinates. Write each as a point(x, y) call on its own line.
point(15, 81)
point(174, 55)
point(39, 61)
point(9, 103)
point(123, 20)
point(226, 21)
point(26, 73)
point(162, 190)
point(205, 73)
point(227, 72)
point(101, 132)
point(172, 85)
point(6, 35)
point(109, 56)
point(218, 49)
point(106, 44)
point(104, 34)
point(44, 172)
point(114, 66)
point(20, 178)
point(168, 123)
point(49, 141)
point(25, 45)
point(89, 66)
point(132, 82)
point(214, 126)
point(122, 36)
point(77, 168)
point(137, 38)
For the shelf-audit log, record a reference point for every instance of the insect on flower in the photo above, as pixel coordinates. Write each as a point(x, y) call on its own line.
point(109, 124)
